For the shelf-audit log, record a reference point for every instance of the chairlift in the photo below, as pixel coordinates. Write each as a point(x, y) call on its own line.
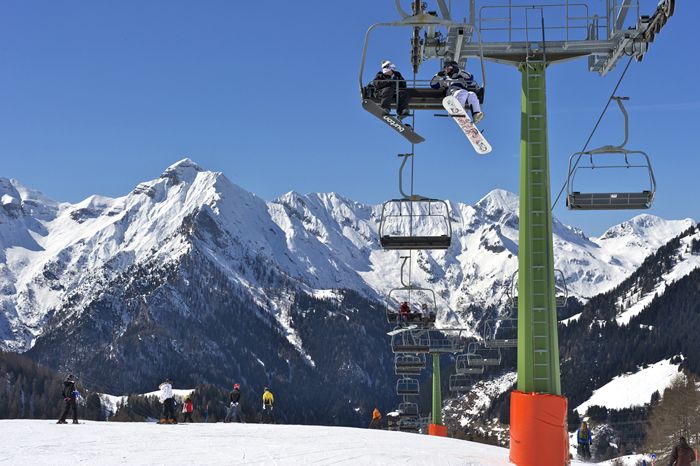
point(409, 424)
point(415, 223)
point(501, 332)
point(408, 410)
point(410, 341)
point(442, 343)
point(490, 356)
point(462, 366)
point(616, 158)
point(460, 383)
point(407, 386)
point(409, 364)
point(560, 288)
point(432, 44)
point(421, 302)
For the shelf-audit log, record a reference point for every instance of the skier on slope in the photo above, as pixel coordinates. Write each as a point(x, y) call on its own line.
point(168, 401)
point(187, 409)
point(233, 413)
point(376, 419)
point(268, 400)
point(70, 397)
point(391, 86)
point(584, 440)
point(682, 454)
point(461, 85)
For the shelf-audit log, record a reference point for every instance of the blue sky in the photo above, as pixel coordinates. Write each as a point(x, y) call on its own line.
point(98, 96)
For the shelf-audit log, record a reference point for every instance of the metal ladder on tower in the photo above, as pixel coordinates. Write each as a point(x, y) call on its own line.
point(539, 226)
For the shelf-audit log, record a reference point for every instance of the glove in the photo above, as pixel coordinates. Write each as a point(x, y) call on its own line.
point(440, 73)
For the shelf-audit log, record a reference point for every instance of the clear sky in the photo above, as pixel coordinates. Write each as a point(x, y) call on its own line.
point(96, 96)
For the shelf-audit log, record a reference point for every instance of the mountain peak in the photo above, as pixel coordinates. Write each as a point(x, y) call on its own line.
point(499, 199)
point(184, 170)
point(644, 225)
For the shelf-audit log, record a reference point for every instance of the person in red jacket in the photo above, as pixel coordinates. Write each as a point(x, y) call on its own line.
point(682, 454)
point(404, 312)
point(187, 409)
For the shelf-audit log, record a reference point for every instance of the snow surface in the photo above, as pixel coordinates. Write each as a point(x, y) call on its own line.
point(42, 442)
point(629, 390)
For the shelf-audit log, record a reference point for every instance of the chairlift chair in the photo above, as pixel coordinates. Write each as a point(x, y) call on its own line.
point(415, 296)
point(408, 410)
point(415, 223)
point(460, 383)
point(441, 343)
point(410, 341)
point(462, 366)
point(500, 333)
point(433, 44)
point(587, 200)
point(407, 386)
point(490, 356)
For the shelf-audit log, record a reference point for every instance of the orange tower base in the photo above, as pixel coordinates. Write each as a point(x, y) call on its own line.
point(437, 430)
point(538, 435)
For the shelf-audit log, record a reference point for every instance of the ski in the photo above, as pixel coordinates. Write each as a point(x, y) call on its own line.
point(396, 331)
point(459, 115)
point(393, 122)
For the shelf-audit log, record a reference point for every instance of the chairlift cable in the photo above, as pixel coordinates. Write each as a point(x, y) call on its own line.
point(600, 118)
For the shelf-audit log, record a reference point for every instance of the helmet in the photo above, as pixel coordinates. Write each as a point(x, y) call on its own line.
point(451, 63)
point(266, 389)
point(236, 385)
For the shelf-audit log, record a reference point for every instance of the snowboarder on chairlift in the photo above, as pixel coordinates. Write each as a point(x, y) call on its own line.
point(268, 400)
point(391, 87)
point(682, 454)
point(168, 400)
point(584, 440)
point(404, 312)
point(461, 85)
point(233, 413)
point(70, 397)
point(376, 419)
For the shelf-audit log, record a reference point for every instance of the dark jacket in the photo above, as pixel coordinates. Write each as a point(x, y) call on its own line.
point(68, 389)
point(235, 395)
point(381, 80)
point(682, 455)
point(455, 81)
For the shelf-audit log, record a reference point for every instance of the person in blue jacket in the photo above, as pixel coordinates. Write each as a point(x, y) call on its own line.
point(584, 439)
point(461, 85)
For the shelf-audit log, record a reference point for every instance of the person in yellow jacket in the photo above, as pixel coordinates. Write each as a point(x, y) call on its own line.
point(376, 419)
point(268, 400)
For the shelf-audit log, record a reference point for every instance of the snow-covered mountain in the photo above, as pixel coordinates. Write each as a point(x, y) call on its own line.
point(59, 256)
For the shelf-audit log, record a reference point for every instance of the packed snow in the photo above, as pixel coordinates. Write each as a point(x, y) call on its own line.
point(42, 442)
point(629, 390)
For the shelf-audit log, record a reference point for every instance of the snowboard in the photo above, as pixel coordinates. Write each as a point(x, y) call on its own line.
point(397, 125)
point(459, 115)
point(402, 329)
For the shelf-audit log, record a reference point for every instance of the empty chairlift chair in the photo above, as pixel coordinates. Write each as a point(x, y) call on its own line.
point(415, 223)
point(409, 364)
point(407, 386)
point(614, 159)
point(443, 343)
point(410, 341)
point(501, 333)
point(462, 366)
point(460, 383)
point(409, 410)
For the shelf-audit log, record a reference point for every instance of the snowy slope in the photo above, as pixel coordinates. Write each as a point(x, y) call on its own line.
point(45, 443)
point(629, 390)
point(634, 301)
point(56, 256)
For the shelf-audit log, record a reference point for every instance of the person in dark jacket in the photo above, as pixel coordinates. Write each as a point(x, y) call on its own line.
point(584, 440)
point(682, 454)
point(70, 397)
point(461, 85)
point(391, 86)
point(233, 413)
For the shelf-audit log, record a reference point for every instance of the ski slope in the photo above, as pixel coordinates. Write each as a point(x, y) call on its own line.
point(42, 442)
